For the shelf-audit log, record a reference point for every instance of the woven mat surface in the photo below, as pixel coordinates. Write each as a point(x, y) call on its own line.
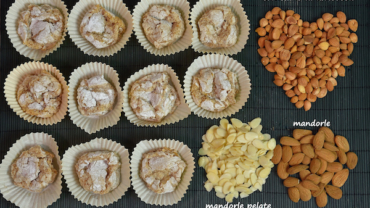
point(347, 107)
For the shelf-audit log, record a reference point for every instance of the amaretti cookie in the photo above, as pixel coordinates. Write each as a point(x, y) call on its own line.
point(40, 94)
point(33, 169)
point(99, 172)
point(162, 25)
point(152, 97)
point(95, 96)
point(161, 170)
point(218, 27)
point(214, 89)
point(101, 28)
point(40, 26)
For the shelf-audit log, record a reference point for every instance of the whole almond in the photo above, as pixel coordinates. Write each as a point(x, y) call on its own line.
point(305, 194)
point(291, 182)
point(342, 143)
point(334, 167)
point(315, 165)
point(289, 141)
point(352, 160)
point(293, 194)
point(296, 159)
point(310, 185)
point(289, 43)
point(323, 166)
point(308, 150)
point(307, 139)
point(277, 154)
point(296, 169)
point(316, 193)
point(342, 157)
point(331, 147)
point(314, 178)
point(329, 135)
point(353, 25)
point(342, 17)
point(303, 174)
point(276, 44)
point(296, 149)
point(282, 170)
point(325, 154)
point(322, 199)
point(326, 177)
point(327, 17)
point(300, 133)
point(333, 191)
point(287, 153)
point(279, 23)
point(306, 160)
point(318, 140)
point(340, 178)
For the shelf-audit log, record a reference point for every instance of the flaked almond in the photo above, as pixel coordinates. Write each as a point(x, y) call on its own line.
point(282, 169)
point(293, 194)
point(287, 154)
point(296, 169)
point(300, 133)
point(318, 140)
point(326, 177)
point(329, 135)
point(310, 185)
point(340, 178)
point(333, 191)
point(277, 154)
point(303, 174)
point(322, 199)
point(289, 141)
point(304, 194)
point(325, 154)
point(352, 160)
point(342, 157)
point(291, 182)
point(315, 165)
point(308, 150)
point(342, 143)
point(334, 167)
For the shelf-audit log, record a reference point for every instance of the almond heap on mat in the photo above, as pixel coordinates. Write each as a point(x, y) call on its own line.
point(319, 160)
point(307, 57)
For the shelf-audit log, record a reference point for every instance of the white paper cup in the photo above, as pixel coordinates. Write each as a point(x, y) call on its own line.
point(147, 195)
point(11, 23)
point(16, 77)
point(71, 157)
point(20, 196)
point(218, 61)
point(203, 6)
point(92, 125)
point(116, 7)
point(182, 111)
point(180, 45)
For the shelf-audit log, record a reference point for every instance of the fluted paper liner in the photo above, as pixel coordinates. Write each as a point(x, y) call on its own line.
point(116, 7)
point(20, 196)
point(218, 61)
point(182, 111)
point(71, 157)
point(92, 125)
point(11, 23)
point(180, 45)
point(16, 77)
point(203, 6)
point(147, 195)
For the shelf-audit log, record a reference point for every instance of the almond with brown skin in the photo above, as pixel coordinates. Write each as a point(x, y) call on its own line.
point(329, 135)
point(314, 178)
point(304, 193)
point(307, 139)
point(289, 141)
point(342, 157)
point(352, 160)
point(282, 170)
point(303, 174)
point(325, 154)
point(296, 149)
point(323, 166)
point(330, 146)
point(296, 169)
point(277, 154)
point(291, 182)
point(316, 193)
point(334, 167)
point(342, 143)
point(326, 177)
point(300, 133)
point(322, 199)
point(308, 150)
point(315, 165)
point(333, 191)
point(310, 185)
point(318, 140)
point(296, 159)
point(340, 178)
point(306, 160)
point(287, 154)
point(293, 194)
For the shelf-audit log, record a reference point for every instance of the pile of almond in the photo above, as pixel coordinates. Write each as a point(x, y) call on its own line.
point(314, 158)
point(307, 57)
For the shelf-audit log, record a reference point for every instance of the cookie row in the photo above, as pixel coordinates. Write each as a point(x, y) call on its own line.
point(102, 28)
point(97, 172)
